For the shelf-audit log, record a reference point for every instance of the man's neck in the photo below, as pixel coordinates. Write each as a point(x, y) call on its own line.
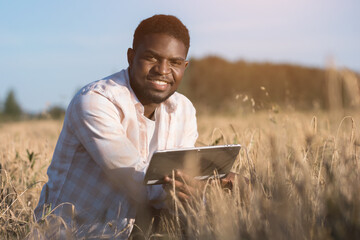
point(149, 110)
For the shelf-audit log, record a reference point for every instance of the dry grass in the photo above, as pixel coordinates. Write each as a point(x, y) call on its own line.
point(25, 153)
point(299, 178)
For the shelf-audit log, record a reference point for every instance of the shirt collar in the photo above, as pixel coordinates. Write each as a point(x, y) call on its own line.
point(170, 103)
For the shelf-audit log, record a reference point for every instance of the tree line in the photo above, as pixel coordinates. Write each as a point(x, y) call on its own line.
point(12, 111)
point(214, 83)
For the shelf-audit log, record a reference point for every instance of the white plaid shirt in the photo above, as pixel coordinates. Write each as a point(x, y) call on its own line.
point(102, 154)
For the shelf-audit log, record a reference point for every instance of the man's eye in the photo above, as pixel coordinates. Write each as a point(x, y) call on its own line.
point(150, 58)
point(176, 63)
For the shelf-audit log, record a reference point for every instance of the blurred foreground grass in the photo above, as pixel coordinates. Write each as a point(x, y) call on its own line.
point(299, 178)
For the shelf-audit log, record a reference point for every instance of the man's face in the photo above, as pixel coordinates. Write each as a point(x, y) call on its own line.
point(156, 67)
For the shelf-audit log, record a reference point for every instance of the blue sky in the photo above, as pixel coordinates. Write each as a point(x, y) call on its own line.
point(49, 49)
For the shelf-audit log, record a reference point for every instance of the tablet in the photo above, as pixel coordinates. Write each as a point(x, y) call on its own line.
point(198, 162)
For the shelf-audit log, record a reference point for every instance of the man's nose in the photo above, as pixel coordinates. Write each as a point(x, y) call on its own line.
point(163, 67)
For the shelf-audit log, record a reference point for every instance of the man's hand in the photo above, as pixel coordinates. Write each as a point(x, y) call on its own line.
point(186, 187)
point(228, 181)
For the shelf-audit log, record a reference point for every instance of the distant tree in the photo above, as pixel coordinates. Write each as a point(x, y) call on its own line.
point(1, 107)
point(56, 112)
point(11, 107)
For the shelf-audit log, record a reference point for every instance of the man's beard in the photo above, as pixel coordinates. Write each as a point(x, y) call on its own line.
point(153, 98)
point(145, 95)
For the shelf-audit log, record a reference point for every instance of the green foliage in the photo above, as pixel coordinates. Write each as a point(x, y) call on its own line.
point(31, 157)
point(11, 107)
point(56, 112)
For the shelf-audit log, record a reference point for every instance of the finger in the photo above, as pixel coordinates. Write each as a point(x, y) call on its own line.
point(170, 184)
point(184, 177)
point(183, 197)
point(181, 187)
point(226, 183)
point(231, 176)
point(179, 193)
point(167, 179)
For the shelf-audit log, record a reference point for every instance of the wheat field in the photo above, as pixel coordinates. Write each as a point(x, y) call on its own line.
point(298, 178)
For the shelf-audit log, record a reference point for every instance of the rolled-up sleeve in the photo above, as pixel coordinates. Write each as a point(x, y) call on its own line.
point(96, 122)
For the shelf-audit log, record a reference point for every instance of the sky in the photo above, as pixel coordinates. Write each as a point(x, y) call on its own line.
point(50, 49)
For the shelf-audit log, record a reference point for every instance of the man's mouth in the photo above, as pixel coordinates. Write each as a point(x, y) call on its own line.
point(159, 84)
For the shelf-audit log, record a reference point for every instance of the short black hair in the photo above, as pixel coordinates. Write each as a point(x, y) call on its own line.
point(160, 23)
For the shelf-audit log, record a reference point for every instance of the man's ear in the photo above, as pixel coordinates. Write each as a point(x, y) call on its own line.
point(130, 56)
point(186, 64)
